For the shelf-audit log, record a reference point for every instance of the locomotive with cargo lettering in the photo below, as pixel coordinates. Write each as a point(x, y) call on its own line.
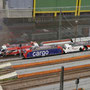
point(42, 51)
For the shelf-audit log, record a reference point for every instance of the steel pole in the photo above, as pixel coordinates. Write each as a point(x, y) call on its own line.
point(76, 86)
point(77, 82)
point(62, 78)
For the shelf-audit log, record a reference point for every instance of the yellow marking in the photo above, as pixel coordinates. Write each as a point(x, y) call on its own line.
point(34, 8)
point(55, 14)
point(46, 11)
point(79, 8)
point(53, 11)
point(84, 10)
point(76, 7)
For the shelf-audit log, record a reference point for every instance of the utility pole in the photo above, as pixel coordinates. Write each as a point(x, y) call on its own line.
point(62, 78)
point(60, 20)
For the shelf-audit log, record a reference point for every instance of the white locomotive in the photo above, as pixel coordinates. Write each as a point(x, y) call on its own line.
point(72, 48)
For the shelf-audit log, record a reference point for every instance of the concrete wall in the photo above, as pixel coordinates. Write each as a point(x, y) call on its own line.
point(18, 8)
point(1, 4)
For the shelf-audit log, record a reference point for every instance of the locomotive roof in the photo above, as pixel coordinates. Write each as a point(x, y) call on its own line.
point(44, 47)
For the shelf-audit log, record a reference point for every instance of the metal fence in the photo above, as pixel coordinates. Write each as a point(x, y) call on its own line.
point(43, 27)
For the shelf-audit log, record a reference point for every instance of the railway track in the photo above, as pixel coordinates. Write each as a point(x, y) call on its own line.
point(9, 70)
point(40, 80)
point(36, 62)
point(3, 60)
point(51, 62)
point(5, 71)
point(7, 57)
point(84, 72)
